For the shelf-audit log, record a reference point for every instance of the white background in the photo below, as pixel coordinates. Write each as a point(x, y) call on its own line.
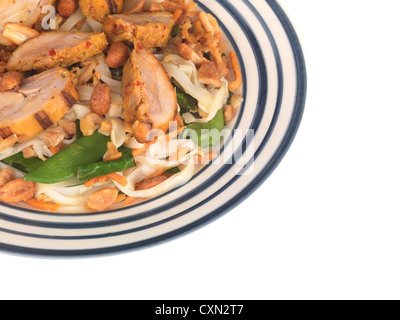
point(326, 225)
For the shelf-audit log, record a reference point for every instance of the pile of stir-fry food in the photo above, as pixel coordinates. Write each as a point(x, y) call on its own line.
point(104, 103)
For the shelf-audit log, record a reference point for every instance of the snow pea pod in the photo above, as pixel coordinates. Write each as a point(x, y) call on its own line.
point(18, 161)
point(93, 170)
point(64, 164)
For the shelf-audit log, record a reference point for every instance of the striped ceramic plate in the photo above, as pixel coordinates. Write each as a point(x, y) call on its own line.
point(274, 93)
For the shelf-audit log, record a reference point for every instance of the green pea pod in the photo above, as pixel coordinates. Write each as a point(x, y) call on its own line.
point(64, 164)
point(93, 170)
point(18, 161)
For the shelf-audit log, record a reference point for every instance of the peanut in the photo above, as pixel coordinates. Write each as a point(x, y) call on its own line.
point(10, 80)
point(69, 127)
point(117, 55)
point(16, 191)
point(52, 139)
point(29, 153)
point(229, 113)
point(6, 176)
point(106, 126)
point(8, 142)
point(152, 182)
point(87, 126)
point(102, 199)
point(101, 99)
point(114, 154)
point(67, 8)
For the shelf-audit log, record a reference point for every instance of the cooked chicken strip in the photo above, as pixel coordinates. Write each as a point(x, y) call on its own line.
point(149, 97)
point(27, 12)
point(99, 9)
point(151, 29)
point(56, 49)
point(42, 101)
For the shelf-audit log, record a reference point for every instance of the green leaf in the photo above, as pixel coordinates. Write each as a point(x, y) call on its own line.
point(206, 134)
point(176, 31)
point(186, 102)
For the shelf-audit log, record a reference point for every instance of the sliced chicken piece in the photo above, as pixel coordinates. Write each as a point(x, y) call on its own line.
point(99, 9)
point(149, 97)
point(42, 101)
point(151, 29)
point(56, 49)
point(27, 12)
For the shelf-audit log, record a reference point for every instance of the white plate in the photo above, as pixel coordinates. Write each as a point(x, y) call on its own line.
point(274, 92)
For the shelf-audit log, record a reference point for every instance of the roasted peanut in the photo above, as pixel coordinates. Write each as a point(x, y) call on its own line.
point(8, 142)
point(101, 99)
point(16, 191)
point(106, 126)
point(87, 126)
point(117, 55)
point(69, 127)
point(229, 113)
point(52, 139)
point(67, 8)
point(114, 154)
point(102, 199)
point(29, 153)
point(6, 176)
point(152, 182)
point(10, 80)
